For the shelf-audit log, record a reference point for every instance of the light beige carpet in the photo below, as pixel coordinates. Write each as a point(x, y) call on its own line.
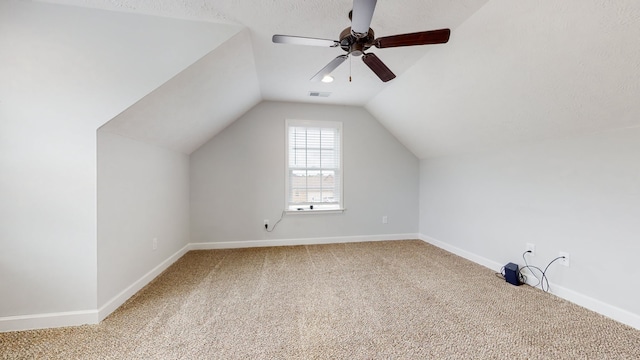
point(378, 300)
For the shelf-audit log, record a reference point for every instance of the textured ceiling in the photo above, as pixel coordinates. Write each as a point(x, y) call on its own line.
point(181, 114)
point(284, 70)
point(196, 105)
point(513, 72)
point(521, 72)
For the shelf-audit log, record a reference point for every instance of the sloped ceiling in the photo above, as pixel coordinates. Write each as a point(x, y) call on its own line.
point(63, 61)
point(518, 72)
point(512, 72)
point(195, 105)
point(284, 70)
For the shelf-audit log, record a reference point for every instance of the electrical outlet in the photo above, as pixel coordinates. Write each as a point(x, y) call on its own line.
point(385, 219)
point(531, 247)
point(154, 244)
point(566, 259)
point(266, 224)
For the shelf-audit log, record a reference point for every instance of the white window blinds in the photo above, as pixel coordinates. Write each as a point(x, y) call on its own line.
point(314, 165)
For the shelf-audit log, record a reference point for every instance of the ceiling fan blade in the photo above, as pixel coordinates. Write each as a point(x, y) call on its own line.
point(378, 67)
point(329, 68)
point(301, 40)
point(419, 38)
point(361, 16)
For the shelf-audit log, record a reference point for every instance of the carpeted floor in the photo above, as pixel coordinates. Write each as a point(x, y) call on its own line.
point(378, 300)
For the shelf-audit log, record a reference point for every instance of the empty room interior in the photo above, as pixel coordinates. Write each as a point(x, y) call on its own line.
point(137, 136)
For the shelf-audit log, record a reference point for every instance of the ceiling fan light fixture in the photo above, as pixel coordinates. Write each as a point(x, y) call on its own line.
point(327, 79)
point(359, 37)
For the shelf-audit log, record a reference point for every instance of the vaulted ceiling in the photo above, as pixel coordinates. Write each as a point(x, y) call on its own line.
point(512, 72)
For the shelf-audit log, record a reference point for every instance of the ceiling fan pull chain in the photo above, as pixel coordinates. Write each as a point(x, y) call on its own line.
point(350, 68)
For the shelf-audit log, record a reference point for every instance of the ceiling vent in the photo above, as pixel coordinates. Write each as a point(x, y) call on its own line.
point(319, 94)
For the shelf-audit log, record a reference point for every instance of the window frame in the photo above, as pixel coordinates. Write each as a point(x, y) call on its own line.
point(340, 170)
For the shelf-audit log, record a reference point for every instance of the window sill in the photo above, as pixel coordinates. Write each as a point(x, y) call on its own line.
point(314, 212)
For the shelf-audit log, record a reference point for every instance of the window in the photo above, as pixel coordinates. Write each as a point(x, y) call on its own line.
point(314, 165)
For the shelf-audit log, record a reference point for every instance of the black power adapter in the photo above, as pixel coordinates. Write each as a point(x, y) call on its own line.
point(511, 274)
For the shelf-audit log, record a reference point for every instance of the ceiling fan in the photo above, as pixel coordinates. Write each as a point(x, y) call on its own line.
point(358, 38)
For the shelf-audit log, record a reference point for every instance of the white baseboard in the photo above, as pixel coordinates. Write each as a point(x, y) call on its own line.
point(293, 242)
point(463, 253)
point(77, 318)
point(53, 320)
point(577, 298)
point(610, 311)
point(111, 305)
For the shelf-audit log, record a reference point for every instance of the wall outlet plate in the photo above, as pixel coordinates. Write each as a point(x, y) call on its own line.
point(566, 259)
point(385, 219)
point(531, 247)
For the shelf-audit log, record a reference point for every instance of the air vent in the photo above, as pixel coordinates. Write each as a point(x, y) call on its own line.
point(319, 94)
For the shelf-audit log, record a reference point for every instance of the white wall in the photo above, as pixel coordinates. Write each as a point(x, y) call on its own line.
point(143, 193)
point(580, 195)
point(237, 179)
point(66, 71)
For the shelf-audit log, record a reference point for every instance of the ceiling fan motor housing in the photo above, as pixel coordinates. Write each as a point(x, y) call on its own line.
point(359, 37)
point(353, 45)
